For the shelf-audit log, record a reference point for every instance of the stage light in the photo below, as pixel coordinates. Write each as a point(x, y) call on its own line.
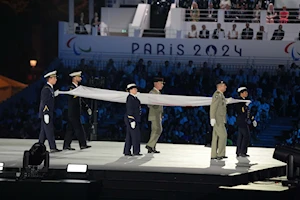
point(77, 168)
point(33, 63)
point(282, 154)
point(1, 166)
point(290, 156)
point(32, 158)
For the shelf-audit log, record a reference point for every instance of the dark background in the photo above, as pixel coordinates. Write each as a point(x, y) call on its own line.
point(30, 30)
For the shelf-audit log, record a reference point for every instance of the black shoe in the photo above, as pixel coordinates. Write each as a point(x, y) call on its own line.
point(244, 155)
point(69, 148)
point(213, 158)
point(154, 151)
point(150, 149)
point(55, 150)
point(224, 157)
point(85, 147)
point(138, 154)
point(221, 157)
point(127, 154)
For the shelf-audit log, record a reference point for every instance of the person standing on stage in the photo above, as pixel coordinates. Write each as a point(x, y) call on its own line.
point(243, 121)
point(46, 110)
point(75, 105)
point(155, 116)
point(132, 120)
point(218, 110)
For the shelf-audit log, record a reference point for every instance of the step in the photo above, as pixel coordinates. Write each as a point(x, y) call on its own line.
point(128, 6)
point(154, 33)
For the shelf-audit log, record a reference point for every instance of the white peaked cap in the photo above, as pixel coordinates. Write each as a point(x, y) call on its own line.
point(50, 74)
point(241, 88)
point(129, 86)
point(75, 74)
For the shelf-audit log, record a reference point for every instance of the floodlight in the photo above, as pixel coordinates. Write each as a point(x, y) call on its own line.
point(1, 166)
point(77, 168)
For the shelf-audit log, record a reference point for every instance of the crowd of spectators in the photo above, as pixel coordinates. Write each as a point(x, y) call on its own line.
point(240, 11)
point(271, 95)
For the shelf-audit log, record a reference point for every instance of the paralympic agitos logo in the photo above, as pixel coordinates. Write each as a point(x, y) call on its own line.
point(291, 49)
point(77, 49)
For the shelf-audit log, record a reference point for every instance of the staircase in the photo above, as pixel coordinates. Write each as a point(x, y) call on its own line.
point(158, 19)
point(267, 137)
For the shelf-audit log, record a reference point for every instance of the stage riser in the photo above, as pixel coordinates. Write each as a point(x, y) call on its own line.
point(77, 191)
point(161, 180)
point(49, 191)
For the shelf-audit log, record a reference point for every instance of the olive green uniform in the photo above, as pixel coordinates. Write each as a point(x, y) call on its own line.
point(155, 116)
point(218, 111)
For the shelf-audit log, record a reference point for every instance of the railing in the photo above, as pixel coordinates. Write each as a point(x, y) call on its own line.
point(242, 16)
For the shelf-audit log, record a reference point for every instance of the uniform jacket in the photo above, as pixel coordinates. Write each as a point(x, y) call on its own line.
point(155, 111)
point(47, 101)
point(218, 108)
point(243, 118)
point(75, 104)
point(133, 108)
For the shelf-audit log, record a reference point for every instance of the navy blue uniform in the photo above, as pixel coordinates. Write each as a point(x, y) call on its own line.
point(133, 136)
point(47, 108)
point(243, 120)
point(75, 104)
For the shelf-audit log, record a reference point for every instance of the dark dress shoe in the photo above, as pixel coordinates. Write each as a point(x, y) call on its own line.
point(224, 157)
point(154, 151)
point(55, 150)
point(213, 158)
point(244, 155)
point(127, 154)
point(138, 154)
point(69, 148)
point(85, 147)
point(150, 149)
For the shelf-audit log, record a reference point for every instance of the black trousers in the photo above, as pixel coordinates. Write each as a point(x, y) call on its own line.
point(74, 125)
point(47, 132)
point(133, 139)
point(243, 140)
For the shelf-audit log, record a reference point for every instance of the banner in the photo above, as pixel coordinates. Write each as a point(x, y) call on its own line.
point(145, 98)
point(83, 46)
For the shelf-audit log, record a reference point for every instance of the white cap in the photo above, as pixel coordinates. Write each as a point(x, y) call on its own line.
point(129, 86)
point(75, 74)
point(50, 74)
point(241, 88)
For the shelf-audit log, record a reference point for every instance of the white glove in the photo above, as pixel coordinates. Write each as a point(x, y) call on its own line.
point(212, 122)
point(254, 123)
point(46, 119)
point(132, 124)
point(229, 100)
point(56, 93)
point(89, 111)
point(248, 103)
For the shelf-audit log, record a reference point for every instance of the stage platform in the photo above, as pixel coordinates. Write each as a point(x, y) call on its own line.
point(176, 167)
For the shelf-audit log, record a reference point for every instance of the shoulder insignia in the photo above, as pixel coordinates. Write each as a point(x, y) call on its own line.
point(46, 108)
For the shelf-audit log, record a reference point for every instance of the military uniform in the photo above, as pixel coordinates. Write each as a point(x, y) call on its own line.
point(75, 105)
point(155, 117)
point(218, 110)
point(46, 113)
point(132, 120)
point(243, 121)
